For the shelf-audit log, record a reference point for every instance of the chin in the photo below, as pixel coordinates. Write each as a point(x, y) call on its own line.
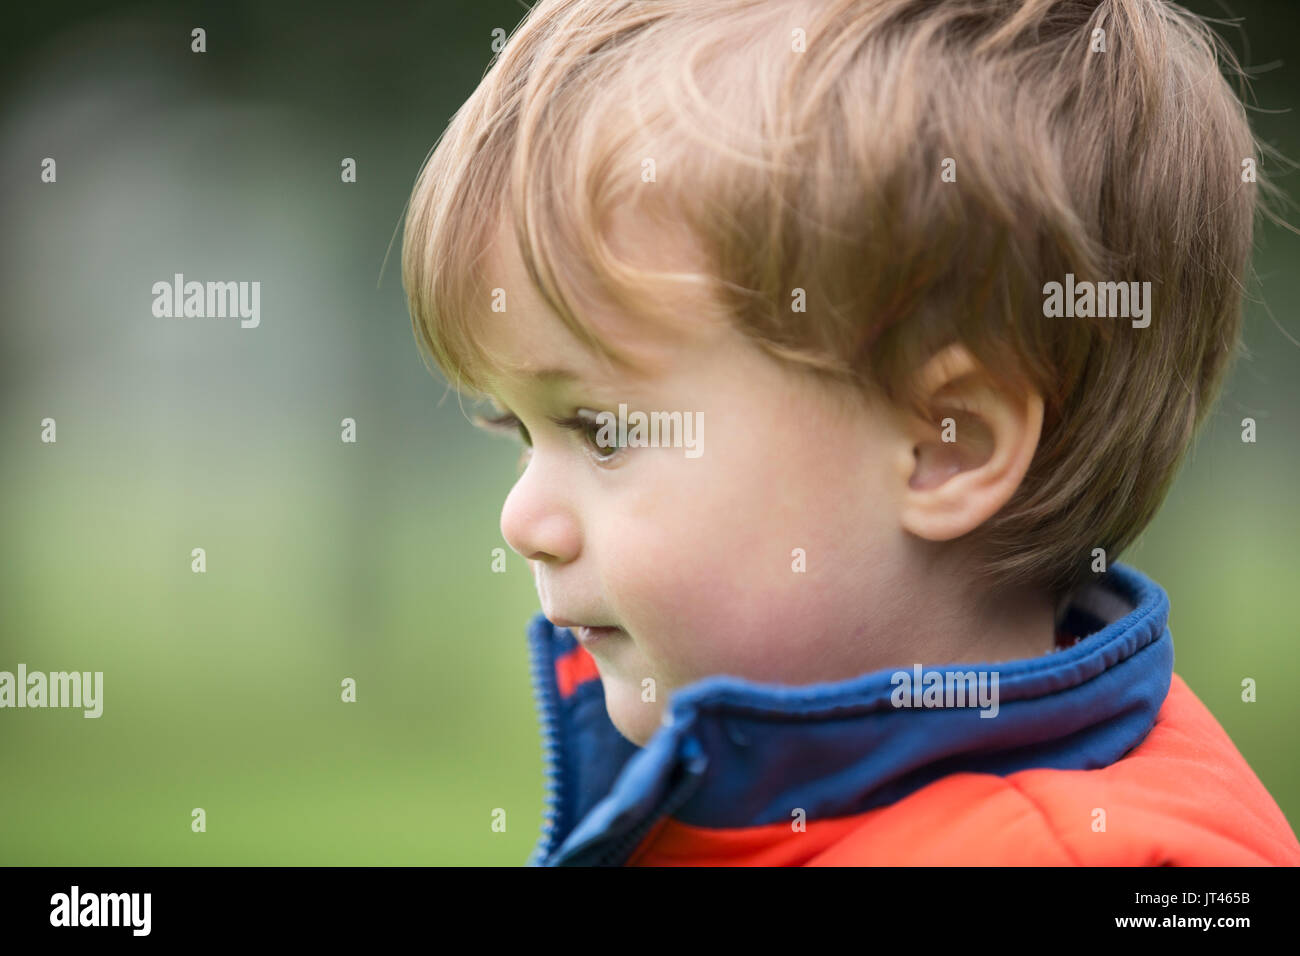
point(631, 717)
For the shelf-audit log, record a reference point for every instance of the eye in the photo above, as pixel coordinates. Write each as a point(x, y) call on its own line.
point(601, 438)
point(506, 422)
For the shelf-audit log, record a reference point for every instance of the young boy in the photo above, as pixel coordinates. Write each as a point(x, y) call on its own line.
point(951, 285)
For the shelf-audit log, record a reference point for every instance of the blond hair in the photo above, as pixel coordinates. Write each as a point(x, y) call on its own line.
point(800, 146)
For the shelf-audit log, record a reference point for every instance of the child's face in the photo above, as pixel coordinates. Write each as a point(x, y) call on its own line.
point(694, 559)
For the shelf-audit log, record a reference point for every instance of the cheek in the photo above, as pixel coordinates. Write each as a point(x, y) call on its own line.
point(669, 576)
point(700, 566)
point(696, 583)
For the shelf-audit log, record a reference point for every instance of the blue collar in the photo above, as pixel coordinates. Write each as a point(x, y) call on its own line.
point(723, 756)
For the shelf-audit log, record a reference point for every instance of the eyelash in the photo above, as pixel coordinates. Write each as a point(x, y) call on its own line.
point(508, 421)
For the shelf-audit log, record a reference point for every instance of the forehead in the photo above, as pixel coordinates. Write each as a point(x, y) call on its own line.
point(529, 345)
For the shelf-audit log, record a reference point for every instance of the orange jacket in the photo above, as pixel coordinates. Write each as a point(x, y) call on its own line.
point(1097, 754)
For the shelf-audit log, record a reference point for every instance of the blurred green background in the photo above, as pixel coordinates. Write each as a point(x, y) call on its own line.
point(372, 561)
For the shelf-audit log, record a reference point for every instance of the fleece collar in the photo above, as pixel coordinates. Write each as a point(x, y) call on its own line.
point(735, 753)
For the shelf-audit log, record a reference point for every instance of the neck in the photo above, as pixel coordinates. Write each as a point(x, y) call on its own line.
point(962, 620)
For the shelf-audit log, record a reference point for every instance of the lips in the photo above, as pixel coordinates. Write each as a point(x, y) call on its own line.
point(590, 635)
point(586, 634)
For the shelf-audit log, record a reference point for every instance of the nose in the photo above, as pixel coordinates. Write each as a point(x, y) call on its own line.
point(537, 519)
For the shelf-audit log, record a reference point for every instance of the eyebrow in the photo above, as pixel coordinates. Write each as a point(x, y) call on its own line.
point(546, 376)
point(549, 374)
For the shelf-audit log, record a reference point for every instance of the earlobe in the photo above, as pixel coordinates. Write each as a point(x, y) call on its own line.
point(971, 457)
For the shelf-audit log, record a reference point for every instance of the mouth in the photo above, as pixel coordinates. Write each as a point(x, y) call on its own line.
point(586, 634)
point(590, 635)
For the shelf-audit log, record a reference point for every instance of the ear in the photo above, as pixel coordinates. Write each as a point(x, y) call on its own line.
point(967, 461)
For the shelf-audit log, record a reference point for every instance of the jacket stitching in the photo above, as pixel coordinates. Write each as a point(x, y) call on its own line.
point(1047, 822)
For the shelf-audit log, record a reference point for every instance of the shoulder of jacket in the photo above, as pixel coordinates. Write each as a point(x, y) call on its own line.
point(1184, 795)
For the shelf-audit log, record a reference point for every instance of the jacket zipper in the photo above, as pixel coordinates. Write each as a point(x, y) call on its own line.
point(542, 673)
